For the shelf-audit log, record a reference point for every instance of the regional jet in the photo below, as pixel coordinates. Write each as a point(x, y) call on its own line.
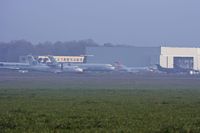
point(177, 70)
point(62, 67)
point(13, 65)
point(95, 67)
point(33, 65)
point(87, 66)
point(122, 68)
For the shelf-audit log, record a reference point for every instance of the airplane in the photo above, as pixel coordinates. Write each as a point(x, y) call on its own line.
point(122, 68)
point(66, 68)
point(85, 66)
point(13, 65)
point(34, 65)
point(95, 67)
point(22, 67)
point(177, 70)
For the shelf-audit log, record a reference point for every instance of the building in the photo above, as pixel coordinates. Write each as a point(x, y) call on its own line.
point(128, 55)
point(172, 57)
point(168, 57)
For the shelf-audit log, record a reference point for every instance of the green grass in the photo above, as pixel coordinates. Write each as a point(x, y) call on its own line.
point(135, 107)
point(102, 110)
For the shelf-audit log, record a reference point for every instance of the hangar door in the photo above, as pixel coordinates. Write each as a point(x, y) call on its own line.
point(184, 62)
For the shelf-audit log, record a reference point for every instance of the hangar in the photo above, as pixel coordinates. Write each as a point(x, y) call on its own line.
point(184, 57)
point(168, 57)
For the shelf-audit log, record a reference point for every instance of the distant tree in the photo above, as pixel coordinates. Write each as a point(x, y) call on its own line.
point(108, 45)
point(88, 43)
point(12, 50)
point(3, 51)
point(45, 48)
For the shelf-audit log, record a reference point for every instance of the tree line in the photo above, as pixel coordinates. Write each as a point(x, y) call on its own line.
point(11, 51)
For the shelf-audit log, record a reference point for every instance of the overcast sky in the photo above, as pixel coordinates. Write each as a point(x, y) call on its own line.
point(133, 22)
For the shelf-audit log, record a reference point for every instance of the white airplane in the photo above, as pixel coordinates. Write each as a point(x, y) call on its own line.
point(13, 65)
point(33, 65)
point(86, 66)
point(95, 67)
point(122, 68)
point(62, 67)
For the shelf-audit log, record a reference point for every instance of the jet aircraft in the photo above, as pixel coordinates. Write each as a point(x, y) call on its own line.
point(34, 65)
point(122, 68)
point(177, 70)
point(62, 67)
point(13, 65)
point(85, 66)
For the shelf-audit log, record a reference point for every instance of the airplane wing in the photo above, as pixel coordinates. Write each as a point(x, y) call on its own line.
point(11, 68)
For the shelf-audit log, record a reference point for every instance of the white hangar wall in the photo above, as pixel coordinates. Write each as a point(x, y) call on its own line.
point(169, 54)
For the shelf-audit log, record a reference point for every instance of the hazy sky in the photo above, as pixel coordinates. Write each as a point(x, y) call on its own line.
point(133, 22)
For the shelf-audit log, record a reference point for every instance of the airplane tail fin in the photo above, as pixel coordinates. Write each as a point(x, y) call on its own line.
point(31, 60)
point(118, 65)
point(53, 60)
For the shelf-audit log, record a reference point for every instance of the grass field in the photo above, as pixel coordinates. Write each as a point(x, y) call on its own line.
point(99, 103)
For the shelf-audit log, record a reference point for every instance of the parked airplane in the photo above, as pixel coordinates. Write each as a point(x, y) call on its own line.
point(86, 66)
point(13, 65)
point(122, 68)
point(62, 67)
point(95, 67)
point(177, 70)
point(33, 65)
